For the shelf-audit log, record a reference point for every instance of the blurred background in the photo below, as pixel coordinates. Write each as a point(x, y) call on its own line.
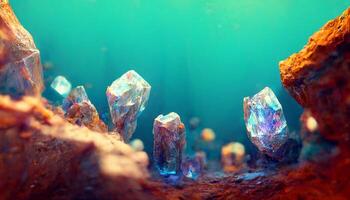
point(200, 56)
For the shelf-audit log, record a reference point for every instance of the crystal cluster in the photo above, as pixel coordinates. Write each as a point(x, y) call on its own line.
point(20, 68)
point(169, 142)
point(61, 85)
point(232, 156)
point(127, 98)
point(79, 110)
point(265, 122)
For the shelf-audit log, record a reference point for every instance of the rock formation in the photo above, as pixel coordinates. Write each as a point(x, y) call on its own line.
point(318, 77)
point(42, 156)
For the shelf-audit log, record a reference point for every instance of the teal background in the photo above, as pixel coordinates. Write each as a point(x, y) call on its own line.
point(200, 56)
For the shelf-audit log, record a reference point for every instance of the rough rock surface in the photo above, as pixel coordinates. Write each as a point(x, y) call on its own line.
point(318, 77)
point(42, 156)
point(20, 68)
point(321, 181)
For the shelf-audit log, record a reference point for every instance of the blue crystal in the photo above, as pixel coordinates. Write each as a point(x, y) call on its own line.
point(127, 98)
point(265, 122)
point(191, 168)
point(61, 85)
point(169, 142)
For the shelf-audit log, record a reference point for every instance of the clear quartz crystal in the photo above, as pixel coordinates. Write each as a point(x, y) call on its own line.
point(61, 85)
point(127, 98)
point(169, 142)
point(265, 121)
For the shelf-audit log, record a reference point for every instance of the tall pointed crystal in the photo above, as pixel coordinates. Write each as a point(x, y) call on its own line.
point(265, 122)
point(127, 98)
point(20, 68)
point(169, 142)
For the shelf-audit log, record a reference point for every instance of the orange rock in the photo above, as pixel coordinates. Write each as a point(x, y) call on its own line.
point(42, 155)
point(318, 77)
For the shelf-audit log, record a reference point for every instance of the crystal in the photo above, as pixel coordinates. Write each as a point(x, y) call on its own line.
point(232, 156)
point(127, 98)
point(137, 144)
point(61, 85)
point(21, 71)
point(265, 122)
point(76, 96)
point(79, 110)
point(169, 142)
point(191, 168)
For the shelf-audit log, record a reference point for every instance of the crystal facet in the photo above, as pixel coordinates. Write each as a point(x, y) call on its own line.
point(169, 142)
point(79, 110)
point(20, 68)
point(127, 98)
point(61, 85)
point(191, 168)
point(232, 156)
point(265, 122)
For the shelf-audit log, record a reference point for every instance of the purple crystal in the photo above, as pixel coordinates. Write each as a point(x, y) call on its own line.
point(191, 168)
point(127, 98)
point(169, 142)
point(265, 122)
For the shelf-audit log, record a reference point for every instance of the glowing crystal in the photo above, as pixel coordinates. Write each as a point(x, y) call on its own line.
point(265, 122)
point(61, 85)
point(169, 142)
point(127, 98)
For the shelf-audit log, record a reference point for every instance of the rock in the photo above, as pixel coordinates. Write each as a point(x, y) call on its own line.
point(20, 68)
point(318, 77)
point(127, 98)
point(44, 157)
point(265, 122)
point(169, 142)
